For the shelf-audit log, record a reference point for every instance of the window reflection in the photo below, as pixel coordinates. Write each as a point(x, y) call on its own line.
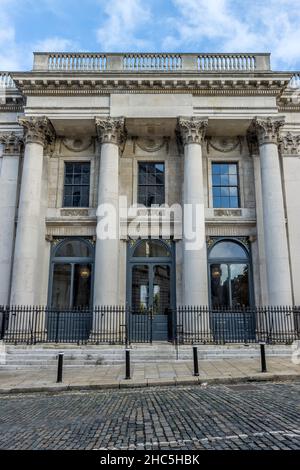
point(229, 280)
point(219, 284)
point(239, 284)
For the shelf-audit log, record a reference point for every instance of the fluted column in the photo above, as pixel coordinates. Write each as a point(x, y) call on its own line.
point(275, 236)
point(11, 148)
point(26, 267)
point(111, 134)
point(192, 132)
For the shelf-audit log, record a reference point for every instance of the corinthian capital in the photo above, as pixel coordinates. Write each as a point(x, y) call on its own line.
point(38, 130)
point(192, 130)
point(267, 129)
point(12, 143)
point(289, 144)
point(110, 130)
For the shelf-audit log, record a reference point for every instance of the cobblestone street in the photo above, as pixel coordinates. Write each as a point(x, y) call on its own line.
point(246, 416)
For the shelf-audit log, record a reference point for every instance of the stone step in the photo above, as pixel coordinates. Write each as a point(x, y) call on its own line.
point(45, 356)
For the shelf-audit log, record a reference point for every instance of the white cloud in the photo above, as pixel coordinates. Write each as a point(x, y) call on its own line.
point(235, 26)
point(123, 28)
point(17, 55)
point(58, 44)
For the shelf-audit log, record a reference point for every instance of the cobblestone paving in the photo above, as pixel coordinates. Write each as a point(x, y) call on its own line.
point(248, 416)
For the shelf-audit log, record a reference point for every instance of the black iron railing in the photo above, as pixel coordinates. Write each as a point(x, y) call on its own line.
point(123, 325)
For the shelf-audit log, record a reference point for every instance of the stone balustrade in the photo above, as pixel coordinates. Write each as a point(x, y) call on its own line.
point(6, 81)
point(160, 62)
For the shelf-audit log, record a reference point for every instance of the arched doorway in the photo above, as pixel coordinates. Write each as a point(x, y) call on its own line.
point(151, 289)
point(70, 289)
point(231, 290)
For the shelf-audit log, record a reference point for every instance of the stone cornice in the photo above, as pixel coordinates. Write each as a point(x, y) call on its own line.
point(191, 130)
point(12, 143)
point(38, 130)
point(267, 129)
point(289, 144)
point(110, 130)
point(212, 84)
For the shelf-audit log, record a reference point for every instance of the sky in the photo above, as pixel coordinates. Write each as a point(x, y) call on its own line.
point(149, 26)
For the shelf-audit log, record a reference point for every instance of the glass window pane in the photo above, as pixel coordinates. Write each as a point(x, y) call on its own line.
point(61, 286)
point(85, 178)
point(82, 285)
point(239, 285)
point(85, 168)
point(219, 285)
point(68, 201)
point(160, 167)
point(150, 249)
point(233, 192)
point(74, 248)
point(77, 179)
point(224, 180)
point(216, 168)
point(234, 202)
point(233, 180)
point(224, 191)
point(233, 169)
point(228, 250)
point(68, 179)
point(224, 202)
point(140, 288)
point(68, 190)
point(69, 168)
point(216, 192)
point(77, 167)
point(216, 180)
point(224, 169)
point(217, 202)
point(161, 290)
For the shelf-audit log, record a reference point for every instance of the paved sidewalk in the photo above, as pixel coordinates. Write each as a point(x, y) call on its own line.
point(143, 375)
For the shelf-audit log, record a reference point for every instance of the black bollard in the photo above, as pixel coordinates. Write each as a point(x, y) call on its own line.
point(127, 368)
point(196, 366)
point(60, 367)
point(263, 357)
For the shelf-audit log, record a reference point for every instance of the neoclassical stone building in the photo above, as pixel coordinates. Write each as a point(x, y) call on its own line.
point(220, 132)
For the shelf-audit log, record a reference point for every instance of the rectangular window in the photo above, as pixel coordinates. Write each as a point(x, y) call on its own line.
point(77, 184)
point(225, 185)
point(151, 183)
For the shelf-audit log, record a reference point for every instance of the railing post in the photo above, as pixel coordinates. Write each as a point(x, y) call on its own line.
point(263, 357)
point(60, 367)
point(127, 364)
point(57, 326)
point(3, 321)
point(195, 357)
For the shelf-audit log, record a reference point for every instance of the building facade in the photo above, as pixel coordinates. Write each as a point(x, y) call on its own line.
point(152, 180)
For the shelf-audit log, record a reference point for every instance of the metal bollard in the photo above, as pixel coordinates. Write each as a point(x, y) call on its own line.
point(60, 367)
point(127, 366)
point(196, 365)
point(263, 357)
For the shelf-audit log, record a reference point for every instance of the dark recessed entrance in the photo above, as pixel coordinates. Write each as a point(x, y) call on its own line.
point(150, 290)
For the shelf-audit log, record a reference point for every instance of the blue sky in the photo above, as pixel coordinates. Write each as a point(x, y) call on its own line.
point(149, 25)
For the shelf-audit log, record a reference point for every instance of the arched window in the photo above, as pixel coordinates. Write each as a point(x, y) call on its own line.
point(229, 272)
point(151, 249)
point(71, 273)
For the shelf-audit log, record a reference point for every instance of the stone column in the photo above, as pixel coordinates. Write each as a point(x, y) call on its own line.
point(11, 143)
point(275, 236)
point(111, 134)
point(192, 133)
point(26, 267)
